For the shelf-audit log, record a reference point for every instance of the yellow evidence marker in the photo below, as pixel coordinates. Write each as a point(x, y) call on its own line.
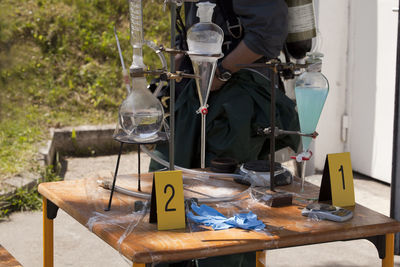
point(169, 200)
point(337, 181)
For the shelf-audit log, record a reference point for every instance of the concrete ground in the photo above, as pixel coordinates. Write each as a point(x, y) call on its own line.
point(75, 245)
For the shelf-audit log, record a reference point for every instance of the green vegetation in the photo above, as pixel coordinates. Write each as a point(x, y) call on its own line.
point(59, 66)
point(27, 198)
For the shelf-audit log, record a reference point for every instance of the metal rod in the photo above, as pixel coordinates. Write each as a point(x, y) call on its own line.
point(279, 65)
point(312, 135)
point(303, 175)
point(121, 58)
point(124, 71)
point(395, 185)
point(138, 168)
point(115, 178)
point(267, 131)
point(172, 93)
point(272, 135)
point(203, 141)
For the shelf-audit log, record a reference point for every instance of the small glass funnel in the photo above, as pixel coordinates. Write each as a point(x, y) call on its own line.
point(311, 91)
point(205, 43)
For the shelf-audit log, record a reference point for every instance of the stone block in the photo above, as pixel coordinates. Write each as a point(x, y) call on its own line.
point(26, 180)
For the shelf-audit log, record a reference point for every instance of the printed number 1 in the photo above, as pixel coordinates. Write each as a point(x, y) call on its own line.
point(341, 170)
point(171, 197)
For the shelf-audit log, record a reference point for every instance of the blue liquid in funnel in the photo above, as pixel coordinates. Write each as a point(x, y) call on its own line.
point(310, 101)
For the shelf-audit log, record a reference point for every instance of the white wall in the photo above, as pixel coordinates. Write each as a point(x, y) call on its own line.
point(332, 20)
point(385, 90)
point(372, 57)
point(362, 81)
point(359, 42)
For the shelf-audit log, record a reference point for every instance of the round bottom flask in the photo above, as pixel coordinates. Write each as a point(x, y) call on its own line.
point(140, 114)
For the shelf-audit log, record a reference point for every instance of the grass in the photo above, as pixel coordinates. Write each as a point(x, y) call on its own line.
point(25, 199)
point(59, 66)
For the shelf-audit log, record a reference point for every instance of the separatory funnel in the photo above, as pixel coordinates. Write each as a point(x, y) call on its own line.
point(204, 41)
point(311, 91)
point(140, 114)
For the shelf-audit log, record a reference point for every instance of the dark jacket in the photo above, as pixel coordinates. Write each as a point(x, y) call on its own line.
point(265, 23)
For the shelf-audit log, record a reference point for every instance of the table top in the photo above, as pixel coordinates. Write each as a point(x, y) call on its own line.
point(140, 241)
point(6, 259)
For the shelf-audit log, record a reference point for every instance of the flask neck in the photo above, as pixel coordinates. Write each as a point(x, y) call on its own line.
point(205, 11)
point(314, 67)
point(205, 18)
point(139, 83)
point(137, 58)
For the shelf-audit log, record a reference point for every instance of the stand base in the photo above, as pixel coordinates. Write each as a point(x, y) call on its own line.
point(277, 199)
point(125, 139)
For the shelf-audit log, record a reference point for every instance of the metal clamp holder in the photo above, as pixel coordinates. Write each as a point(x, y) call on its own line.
point(267, 131)
point(276, 66)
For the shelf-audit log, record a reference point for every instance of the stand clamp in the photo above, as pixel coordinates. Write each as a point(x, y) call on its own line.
point(267, 131)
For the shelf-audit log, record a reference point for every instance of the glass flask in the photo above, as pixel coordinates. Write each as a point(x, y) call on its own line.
point(141, 114)
point(205, 37)
point(311, 91)
point(205, 43)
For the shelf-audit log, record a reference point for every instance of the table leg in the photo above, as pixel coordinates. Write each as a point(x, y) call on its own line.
point(48, 252)
point(138, 264)
point(261, 258)
point(388, 261)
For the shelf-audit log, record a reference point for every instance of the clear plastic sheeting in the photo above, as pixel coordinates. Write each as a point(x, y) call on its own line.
point(251, 177)
point(129, 216)
point(323, 211)
point(205, 198)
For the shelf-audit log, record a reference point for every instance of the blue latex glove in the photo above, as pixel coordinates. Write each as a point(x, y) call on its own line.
point(208, 216)
point(211, 217)
point(248, 221)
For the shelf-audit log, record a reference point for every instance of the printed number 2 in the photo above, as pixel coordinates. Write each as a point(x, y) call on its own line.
point(172, 196)
point(342, 171)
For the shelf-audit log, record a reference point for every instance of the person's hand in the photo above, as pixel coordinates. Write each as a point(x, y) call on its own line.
point(216, 84)
point(240, 55)
point(178, 60)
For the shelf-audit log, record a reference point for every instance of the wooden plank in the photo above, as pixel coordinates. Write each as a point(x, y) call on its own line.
point(6, 259)
point(285, 226)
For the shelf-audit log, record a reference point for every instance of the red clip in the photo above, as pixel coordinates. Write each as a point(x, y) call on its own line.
point(303, 158)
point(204, 111)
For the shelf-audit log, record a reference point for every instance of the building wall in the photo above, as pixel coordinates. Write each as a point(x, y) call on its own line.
point(332, 21)
point(372, 84)
point(359, 43)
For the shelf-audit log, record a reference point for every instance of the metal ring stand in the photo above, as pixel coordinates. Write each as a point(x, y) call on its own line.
point(122, 138)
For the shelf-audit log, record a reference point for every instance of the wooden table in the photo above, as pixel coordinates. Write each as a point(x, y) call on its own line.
point(7, 260)
point(285, 226)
